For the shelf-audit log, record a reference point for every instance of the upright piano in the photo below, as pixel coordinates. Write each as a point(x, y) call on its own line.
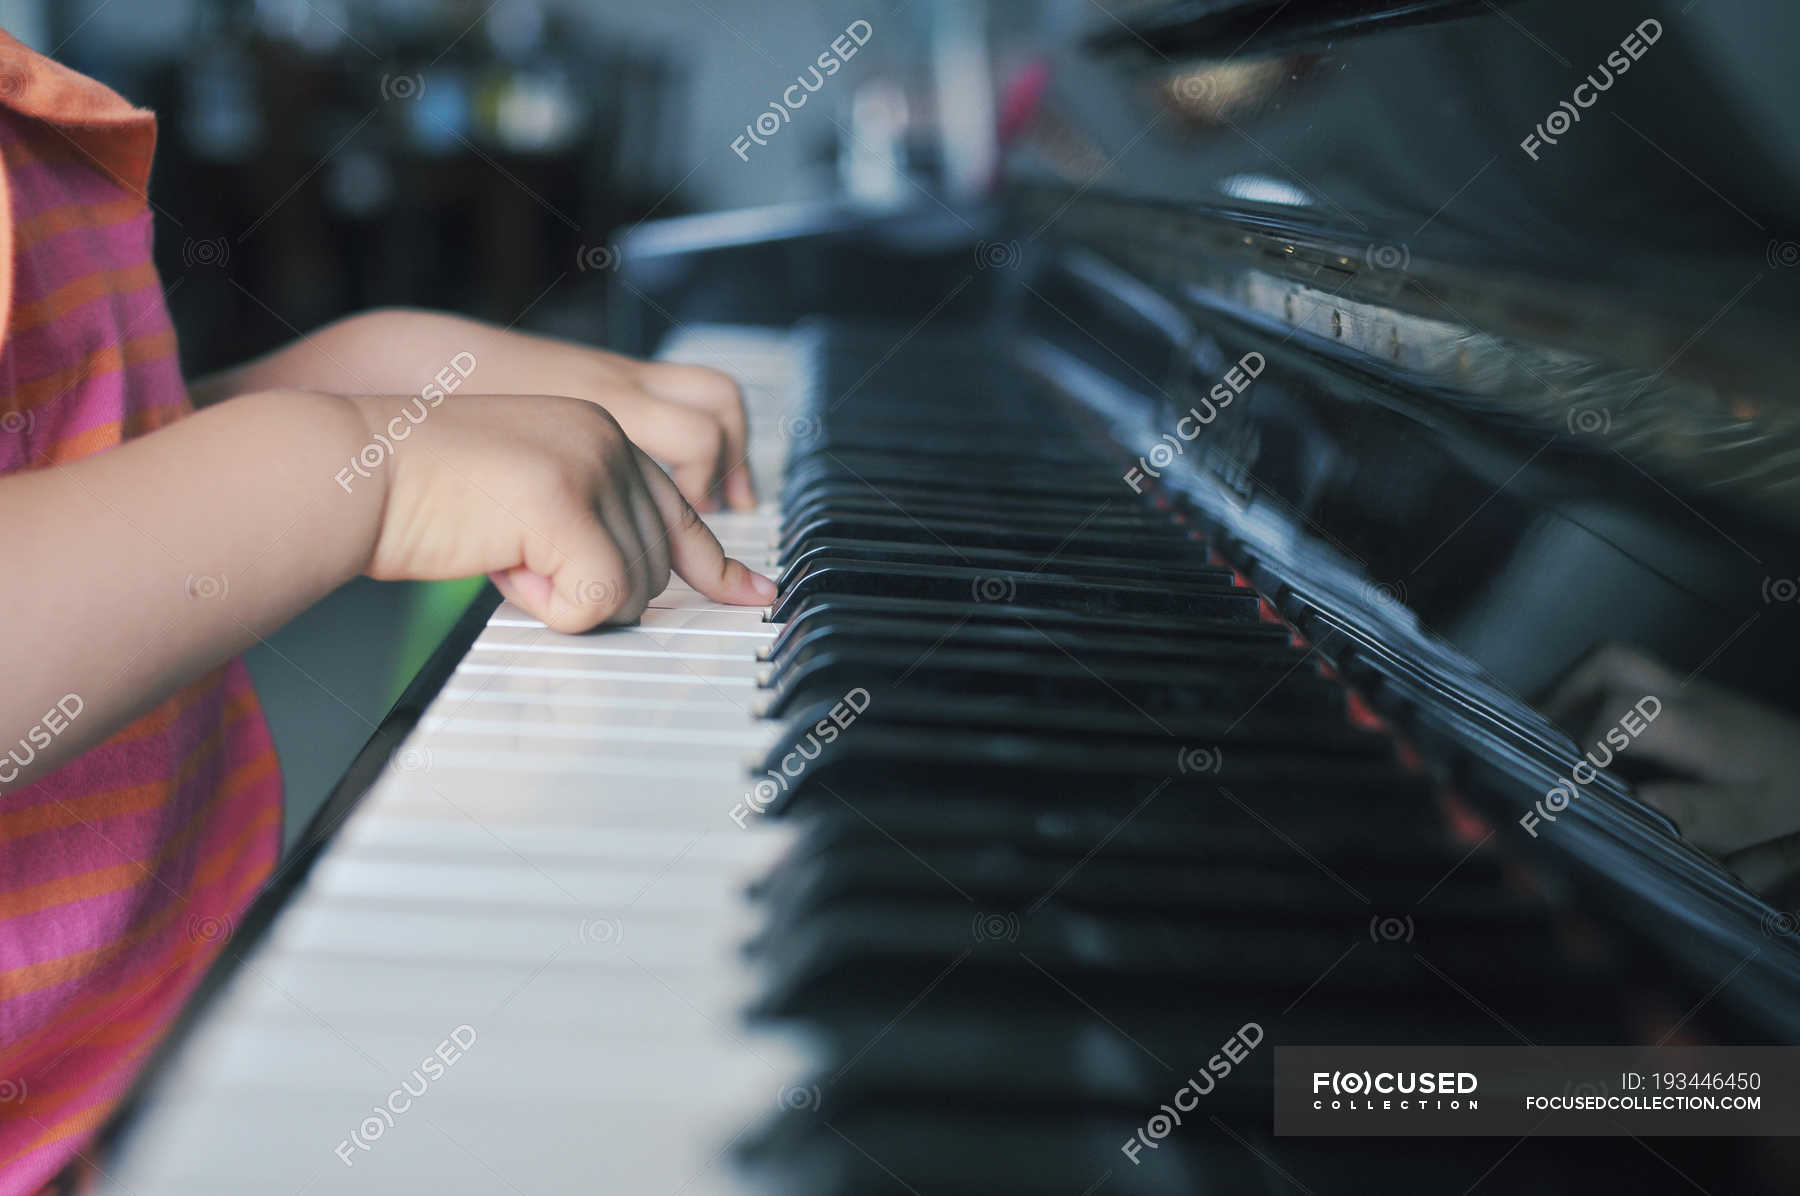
point(1172, 551)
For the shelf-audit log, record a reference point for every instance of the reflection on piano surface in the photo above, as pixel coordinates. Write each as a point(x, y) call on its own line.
point(1163, 562)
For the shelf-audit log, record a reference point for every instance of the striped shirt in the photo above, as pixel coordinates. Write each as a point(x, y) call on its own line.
point(123, 873)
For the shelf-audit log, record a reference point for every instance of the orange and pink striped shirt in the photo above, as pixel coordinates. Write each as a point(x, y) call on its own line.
point(123, 873)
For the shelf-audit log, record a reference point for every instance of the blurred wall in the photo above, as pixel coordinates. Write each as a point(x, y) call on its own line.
point(737, 56)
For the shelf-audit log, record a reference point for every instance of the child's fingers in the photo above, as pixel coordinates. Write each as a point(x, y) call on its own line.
point(1611, 670)
point(577, 573)
point(653, 561)
point(738, 488)
point(719, 396)
point(1768, 865)
point(695, 553)
point(1722, 818)
point(693, 442)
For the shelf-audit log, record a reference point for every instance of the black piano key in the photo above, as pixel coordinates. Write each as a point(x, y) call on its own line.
point(1097, 681)
point(1096, 728)
point(1097, 569)
point(947, 615)
point(1132, 820)
point(1044, 514)
point(1014, 587)
point(977, 533)
point(858, 946)
point(1291, 888)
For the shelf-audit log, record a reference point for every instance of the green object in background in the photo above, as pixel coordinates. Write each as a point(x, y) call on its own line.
point(329, 678)
point(432, 610)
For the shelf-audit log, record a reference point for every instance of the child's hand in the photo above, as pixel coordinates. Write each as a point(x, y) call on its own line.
point(1733, 765)
point(548, 496)
point(690, 416)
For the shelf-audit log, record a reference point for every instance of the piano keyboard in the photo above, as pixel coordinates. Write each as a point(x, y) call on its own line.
point(549, 861)
point(940, 879)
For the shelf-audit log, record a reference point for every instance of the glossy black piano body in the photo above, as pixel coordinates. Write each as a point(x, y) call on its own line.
point(1511, 403)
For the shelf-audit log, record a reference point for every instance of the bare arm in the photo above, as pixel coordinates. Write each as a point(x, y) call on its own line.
point(688, 416)
point(135, 571)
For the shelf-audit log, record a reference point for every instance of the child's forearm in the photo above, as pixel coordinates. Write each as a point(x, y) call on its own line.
point(139, 569)
point(690, 418)
point(402, 351)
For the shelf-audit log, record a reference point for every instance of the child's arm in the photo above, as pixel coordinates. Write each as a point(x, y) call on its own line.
point(138, 569)
point(689, 416)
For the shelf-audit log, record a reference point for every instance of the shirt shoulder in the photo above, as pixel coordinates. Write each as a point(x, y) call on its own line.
point(104, 132)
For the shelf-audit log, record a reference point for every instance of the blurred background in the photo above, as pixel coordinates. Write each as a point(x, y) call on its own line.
point(318, 157)
point(330, 155)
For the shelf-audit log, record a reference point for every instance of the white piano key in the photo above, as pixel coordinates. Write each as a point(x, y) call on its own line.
point(650, 660)
point(690, 812)
point(497, 796)
point(461, 1147)
point(351, 991)
point(614, 767)
point(732, 622)
point(692, 954)
point(466, 732)
point(456, 699)
point(684, 599)
point(603, 847)
point(673, 675)
point(609, 648)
